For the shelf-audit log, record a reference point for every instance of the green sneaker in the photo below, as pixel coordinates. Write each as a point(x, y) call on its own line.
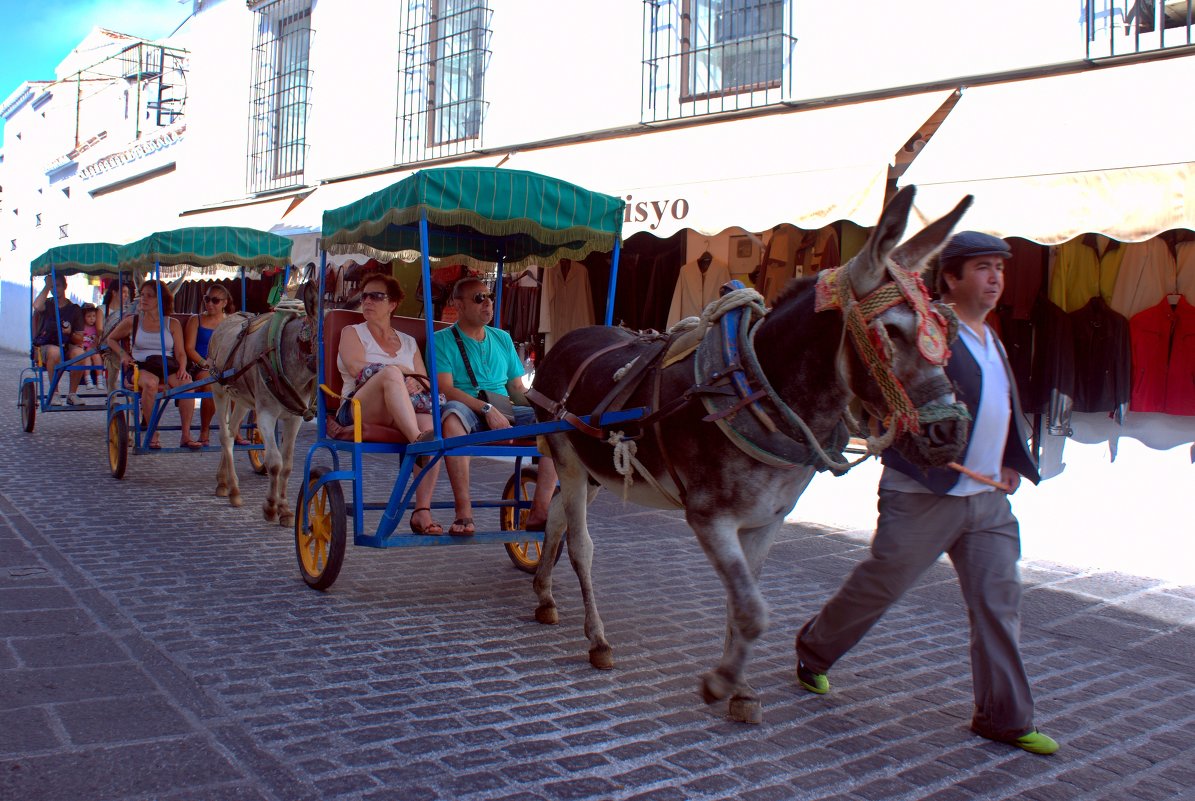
point(1036, 743)
point(813, 682)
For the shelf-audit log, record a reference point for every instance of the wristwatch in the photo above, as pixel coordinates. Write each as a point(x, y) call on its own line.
point(485, 408)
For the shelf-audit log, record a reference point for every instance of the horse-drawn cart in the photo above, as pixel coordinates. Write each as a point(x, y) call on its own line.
point(35, 392)
point(477, 216)
point(180, 251)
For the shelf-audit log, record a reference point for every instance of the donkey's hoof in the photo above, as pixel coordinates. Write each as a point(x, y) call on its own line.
point(601, 657)
point(714, 687)
point(236, 500)
point(745, 709)
point(286, 519)
point(547, 614)
point(222, 492)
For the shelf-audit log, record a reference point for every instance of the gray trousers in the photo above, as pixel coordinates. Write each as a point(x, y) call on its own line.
point(981, 536)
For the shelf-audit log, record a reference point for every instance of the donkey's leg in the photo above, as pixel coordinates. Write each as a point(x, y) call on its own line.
point(267, 420)
point(745, 705)
point(290, 431)
point(239, 410)
point(747, 615)
point(223, 405)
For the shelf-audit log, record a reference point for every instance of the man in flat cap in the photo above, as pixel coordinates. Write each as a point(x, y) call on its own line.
point(923, 514)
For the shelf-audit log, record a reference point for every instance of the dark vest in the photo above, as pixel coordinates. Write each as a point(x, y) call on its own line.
point(967, 377)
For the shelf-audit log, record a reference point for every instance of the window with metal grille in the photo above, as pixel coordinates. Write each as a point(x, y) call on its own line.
point(37, 220)
point(1120, 27)
point(711, 56)
point(280, 95)
point(62, 234)
point(442, 63)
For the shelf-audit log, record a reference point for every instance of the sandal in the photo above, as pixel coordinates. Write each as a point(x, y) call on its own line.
point(242, 441)
point(190, 443)
point(204, 443)
point(432, 528)
point(462, 527)
point(154, 444)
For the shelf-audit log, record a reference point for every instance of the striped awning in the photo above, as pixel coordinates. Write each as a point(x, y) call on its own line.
point(207, 246)
point(91, 258)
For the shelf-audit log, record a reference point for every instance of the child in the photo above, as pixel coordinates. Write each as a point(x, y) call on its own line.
point(91, 338)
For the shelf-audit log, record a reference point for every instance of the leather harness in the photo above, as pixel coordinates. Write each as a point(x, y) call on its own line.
point(269, 361)
point(725, 382)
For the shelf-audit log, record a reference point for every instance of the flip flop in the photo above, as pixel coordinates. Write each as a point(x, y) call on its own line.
point(242, 441)
point(154, 445)
point(432, 528)
point(462, 527)
point(190, 443)
point(204, 443)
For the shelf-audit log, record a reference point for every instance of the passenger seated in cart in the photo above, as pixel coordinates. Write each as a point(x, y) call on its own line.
point(91, 340)
point(474, 357)
point(217, 305)
point(377, 364)
point(70, 317)
point(144, 328)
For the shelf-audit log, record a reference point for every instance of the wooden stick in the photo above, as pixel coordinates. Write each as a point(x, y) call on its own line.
point(980, 478)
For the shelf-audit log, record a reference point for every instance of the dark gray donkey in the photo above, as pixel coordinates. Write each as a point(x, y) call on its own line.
point(267, 365)
point(742, 411)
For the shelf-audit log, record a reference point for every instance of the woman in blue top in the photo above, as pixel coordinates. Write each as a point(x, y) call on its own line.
point(217, 305)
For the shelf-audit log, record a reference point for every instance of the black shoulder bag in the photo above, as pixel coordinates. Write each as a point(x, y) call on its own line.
point(499, 401)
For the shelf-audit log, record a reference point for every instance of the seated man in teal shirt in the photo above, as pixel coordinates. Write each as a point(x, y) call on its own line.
point(493, 366)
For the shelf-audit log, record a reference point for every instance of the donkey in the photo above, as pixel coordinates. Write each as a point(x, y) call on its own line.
point(265, 363)
point(735, 475)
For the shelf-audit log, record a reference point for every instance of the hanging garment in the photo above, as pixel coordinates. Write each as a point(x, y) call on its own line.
point(1147, 274)
point(1083, 269)
point(1163, 340)
point(565, 301)
point(1184, 281)
point(1103, 359)
point(695, 290)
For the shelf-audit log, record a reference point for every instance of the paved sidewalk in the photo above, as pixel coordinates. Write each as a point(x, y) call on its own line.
point(156, 643)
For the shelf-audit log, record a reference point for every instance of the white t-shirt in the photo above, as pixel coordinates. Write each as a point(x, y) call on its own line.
point(405, 358)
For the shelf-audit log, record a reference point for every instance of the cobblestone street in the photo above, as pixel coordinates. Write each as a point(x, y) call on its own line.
point(156, 643)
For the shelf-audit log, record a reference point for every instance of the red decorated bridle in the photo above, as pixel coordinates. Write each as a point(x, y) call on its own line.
point(834, 291)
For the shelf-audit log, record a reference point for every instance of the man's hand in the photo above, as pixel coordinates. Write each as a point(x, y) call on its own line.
point(1010, 478)
point(496, 420)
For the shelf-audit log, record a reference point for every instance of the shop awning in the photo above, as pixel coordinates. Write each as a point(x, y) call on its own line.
point(808, 168)
point(1105, 151)
point(261, 215)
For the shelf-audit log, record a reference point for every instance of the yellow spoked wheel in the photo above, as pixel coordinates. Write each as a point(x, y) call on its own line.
point(320, 532)
point(118, 444)
point(28, 403)
point(524, 555)
point(257, 458)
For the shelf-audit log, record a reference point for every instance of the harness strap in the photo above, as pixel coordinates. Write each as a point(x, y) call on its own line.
point(659, 436)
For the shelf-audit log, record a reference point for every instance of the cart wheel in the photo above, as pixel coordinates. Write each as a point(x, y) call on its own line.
point(118, 444)
point(320, 532)
point(524, 555)
point(257, 458)
point(28, 403)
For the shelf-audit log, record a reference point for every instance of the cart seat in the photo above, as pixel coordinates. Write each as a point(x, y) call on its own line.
point(334, 323)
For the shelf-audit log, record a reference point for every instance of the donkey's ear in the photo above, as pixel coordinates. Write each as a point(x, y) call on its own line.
point(310, 295)
point(870, 269)
point(925, 244)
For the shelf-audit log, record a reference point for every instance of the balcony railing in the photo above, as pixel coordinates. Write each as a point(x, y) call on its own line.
point(1125, 27)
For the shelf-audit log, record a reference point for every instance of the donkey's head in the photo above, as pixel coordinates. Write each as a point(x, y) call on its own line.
point(897, 340)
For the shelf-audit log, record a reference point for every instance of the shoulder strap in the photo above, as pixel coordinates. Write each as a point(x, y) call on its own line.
point(460, 343)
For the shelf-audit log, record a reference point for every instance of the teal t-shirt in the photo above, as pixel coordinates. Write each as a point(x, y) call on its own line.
point(493, 359)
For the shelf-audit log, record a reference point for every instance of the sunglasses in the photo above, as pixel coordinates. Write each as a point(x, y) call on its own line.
point(212, 299)
point(481, 297)
point(375, 296)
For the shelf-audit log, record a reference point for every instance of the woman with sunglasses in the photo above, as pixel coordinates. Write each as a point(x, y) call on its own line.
point(217, 305)
point(376, 363)
point(145, 331)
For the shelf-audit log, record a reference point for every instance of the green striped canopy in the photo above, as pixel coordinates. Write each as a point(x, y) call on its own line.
point(205, 247)
point(92, 258)
point(477, 215)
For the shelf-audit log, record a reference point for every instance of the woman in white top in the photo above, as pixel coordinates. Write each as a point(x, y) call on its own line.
point(385, 388)
point(147, 335)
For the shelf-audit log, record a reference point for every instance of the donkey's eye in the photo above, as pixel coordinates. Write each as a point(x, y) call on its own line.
point(893, 331)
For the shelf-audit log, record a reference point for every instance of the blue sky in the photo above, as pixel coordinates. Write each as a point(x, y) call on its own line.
point(35, 35)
